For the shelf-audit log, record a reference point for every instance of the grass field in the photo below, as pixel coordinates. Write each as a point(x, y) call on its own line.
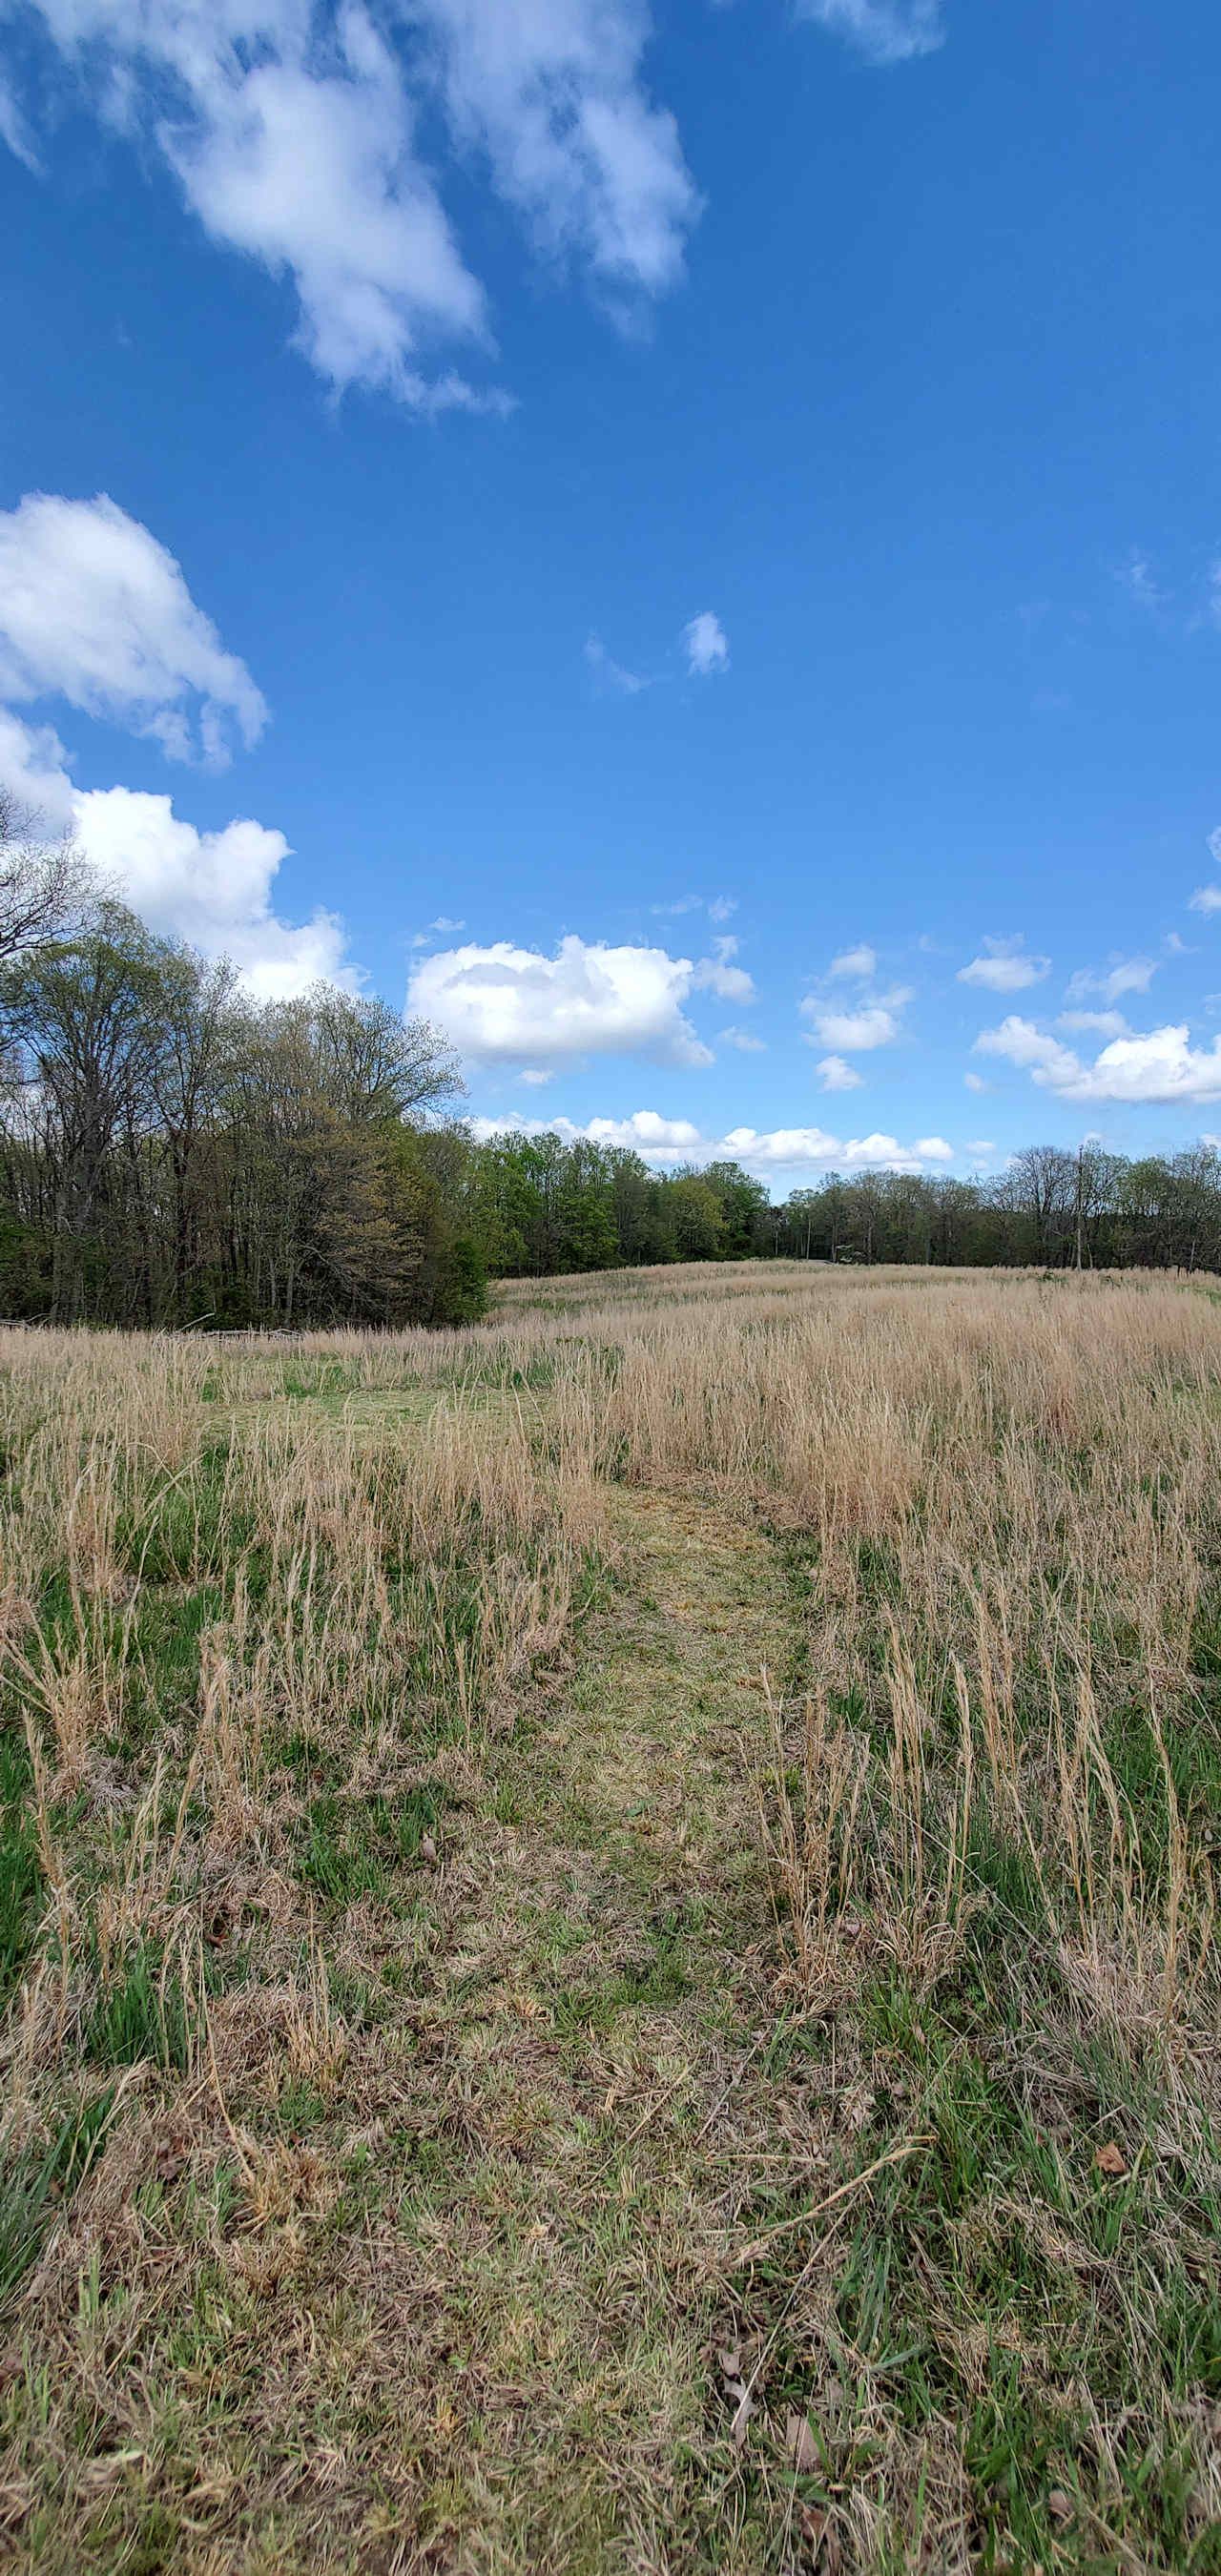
point(607, 1935)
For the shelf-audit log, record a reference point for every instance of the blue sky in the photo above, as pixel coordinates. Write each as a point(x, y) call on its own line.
point(686, 541)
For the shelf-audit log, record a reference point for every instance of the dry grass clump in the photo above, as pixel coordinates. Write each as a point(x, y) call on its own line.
point(675, 1827)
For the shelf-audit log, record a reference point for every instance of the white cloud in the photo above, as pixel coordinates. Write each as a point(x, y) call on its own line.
point(550, 92)
point(13, 128)
point(884, 31)
point(677, 1140)
point(719, 907)
point(743, 1041)
point(975, 1082)
point(611, 676)
point(1136, 580)
point(535, 1075)
point(441, 928)
point(1159, 1067)
point(93, 610)
point(706, 645)
point(858, 963)
point(294, 140)
point(980, 1145)
point(1120, 975)
point(836, 1074)
point(718, 974)
point(1103, 1024)
point(854, 1031)
point(33, 767)
point(503, 1003)
point(211, 888)
point(1004, 967)
point(1035, 1050)
point(1208, 898)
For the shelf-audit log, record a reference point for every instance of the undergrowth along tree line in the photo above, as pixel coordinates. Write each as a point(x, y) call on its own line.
point(174, 1152)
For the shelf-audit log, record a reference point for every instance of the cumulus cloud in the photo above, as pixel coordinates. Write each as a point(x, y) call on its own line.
point(678, 1140)
point(1004, 967)
point(34, 768)
point(504, 1004)
point(1161, 1066)
point(836, 1074)
point(213, 889)
point(706, 645)
point(94, 610)
point(295, 140)
point(718, 974)
point(884, 31)
point(1120, 975)
point(855, 1029)
point(858, 964)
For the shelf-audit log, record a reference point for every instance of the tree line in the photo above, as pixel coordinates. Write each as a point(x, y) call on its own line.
point(173, 1152)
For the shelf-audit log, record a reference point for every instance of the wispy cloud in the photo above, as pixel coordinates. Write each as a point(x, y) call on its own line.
point(884, 31)
point(611, 675)
point(706, 645)
point(1208, 898)
point(1120, 975)
point(294, 140)
point(1004, 966)
point(857, 964)
point(718, 974)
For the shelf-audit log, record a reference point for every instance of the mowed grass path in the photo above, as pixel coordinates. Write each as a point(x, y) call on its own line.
point(434, 2274)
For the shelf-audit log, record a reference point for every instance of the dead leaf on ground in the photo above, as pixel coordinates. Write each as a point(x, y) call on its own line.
point(1059, 2504)
point(800, 2444)
point(1110, 2159)
point(730, 2361)
point(743, 2411)
point(818, 2533)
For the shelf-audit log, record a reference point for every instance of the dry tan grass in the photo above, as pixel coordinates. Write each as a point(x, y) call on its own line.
point(682, 1816)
